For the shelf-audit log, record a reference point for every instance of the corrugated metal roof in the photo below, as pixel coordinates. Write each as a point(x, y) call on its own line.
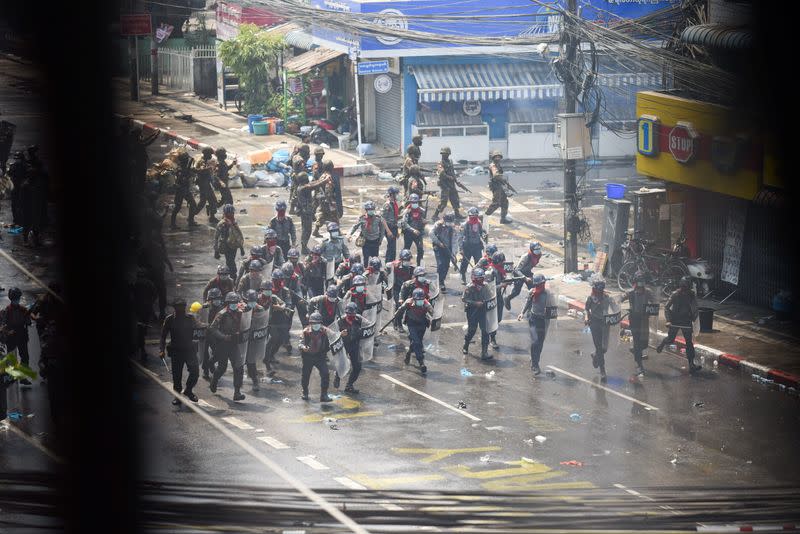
point(305, 62)
point(437, 118)
point(718, 36)
point(300, 39)
point(532, 115)
point(283, 29)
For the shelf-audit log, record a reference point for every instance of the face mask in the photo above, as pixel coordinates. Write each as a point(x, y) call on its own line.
point(371, 213)
point(478, 282)
point(314, 259)
point(316, 327)
point(406, 264)
point(233, 307)
point(281, 213)
point(271, 243)
point(251, 304)
point(473, 219)
point(278, 284)
point(216, 303)
point(419, 302)
point(335, 233)
point(415, 205)
point(15, 301)
point(359, 289)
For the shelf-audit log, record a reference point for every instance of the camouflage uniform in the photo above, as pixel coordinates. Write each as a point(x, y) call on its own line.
point(447, 186)
point(327, 210)
point(496, 185)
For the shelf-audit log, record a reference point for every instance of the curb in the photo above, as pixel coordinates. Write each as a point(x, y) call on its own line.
point(729, 360)
point(355, 169)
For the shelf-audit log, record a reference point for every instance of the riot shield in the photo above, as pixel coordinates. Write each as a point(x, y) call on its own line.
point(436, 299)
point(612, 316)
point(258, 335)
point(199, 334)
point(652, 310)
point(367, 344)
point(268, 269)
point(330, 271)
point(339, 360)
point(491, 308)
point(244, 337)
point(551, 313)
point(374, 300)
point(390, 276)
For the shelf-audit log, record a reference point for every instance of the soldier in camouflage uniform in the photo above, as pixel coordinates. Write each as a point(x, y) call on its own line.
point(298, 162)
point(415, 183)
point(327, 211)
point(413, 154)
point(497, 185)
point(316, 167)
point(447, 185)
point(304, 209)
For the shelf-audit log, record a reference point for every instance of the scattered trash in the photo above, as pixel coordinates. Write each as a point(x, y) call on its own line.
point(673, 347)
point(490, 375)
point(674, 461)
point(391, 346)
point(329, 420)
point(15, 416)
point(528, 441)
point(384, 176)
point(15, 231)
point(574, 417)
point(716, 363)
point(275, 381)
point(429, 346)
point(578, 352)
point(573, 463)
point(187, 244)
point(485, 459)
point(586, 330)
point(259, 430)
point(749, 462)
point(550, 374)
point(474, 171)
point(451, 305)
point(253, 195)
point(287, 400)
point(243, 210)
point(699, 404)
point(465, 372)
point(462, 405)
point(540, 439)
point(571, 313)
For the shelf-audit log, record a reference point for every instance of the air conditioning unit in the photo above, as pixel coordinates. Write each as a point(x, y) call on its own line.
point(574, 138)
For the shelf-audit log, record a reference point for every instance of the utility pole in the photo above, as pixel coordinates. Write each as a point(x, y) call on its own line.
point(153, 63)
point(133, 55)
point(570, 187)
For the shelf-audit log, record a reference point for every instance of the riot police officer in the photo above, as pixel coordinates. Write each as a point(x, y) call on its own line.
point(391, 214)
point(641, 302)
point(314, 352)
point(413, 224)
point(228, 238)
point(214, 303)
point(680, 312)
point(252, 280)
point(444, 238)
point(334, 248)
point(182, 350)
point(315, 271)
point(536, 310)
point(223, 282)
point(326, 305)
point(350, 326)
point(403, 271)
point(524, 267)
point(373, 227)
point(474, 298)
point(283, 226)
point(597, 306)
point(14, 322)
point(224, 333)
point(417, 317)
point(472, 237)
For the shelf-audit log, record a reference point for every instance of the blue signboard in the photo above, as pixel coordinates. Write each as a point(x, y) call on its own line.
point(373, 67)
point(505, 18)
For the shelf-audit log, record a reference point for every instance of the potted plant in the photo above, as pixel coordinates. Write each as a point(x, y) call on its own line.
point(11, 370)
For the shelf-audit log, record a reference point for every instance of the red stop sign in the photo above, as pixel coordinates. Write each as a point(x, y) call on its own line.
point(682, 142)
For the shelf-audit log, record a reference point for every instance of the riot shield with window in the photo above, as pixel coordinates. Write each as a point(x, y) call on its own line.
point(339, 360)
point(374, 300)
point(490, 304)
point(199, 335)
point(366, 346)
point(612, 317)
point(330, 271)
point(436, 300)
point(258, 335)
point(246, 318)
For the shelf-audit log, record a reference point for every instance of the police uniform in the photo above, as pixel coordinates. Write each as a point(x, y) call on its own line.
point(204, 169)
point(351, 336)
point(222, 182)
point(182, 350)
point(413, 219)
point(329, 309)
point(417, 319)
point(284, 227)
point(524, 266)
point(472, 236)
point(372, 230)
point(224, 334)
point(315, 273)
point(474, 299)
point(183, 192)
point(535, 310)
point(314, 352)
point(221, 242)
point(444, 239)
point(402, 274)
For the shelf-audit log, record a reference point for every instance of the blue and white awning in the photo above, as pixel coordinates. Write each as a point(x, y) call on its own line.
point(495, 81)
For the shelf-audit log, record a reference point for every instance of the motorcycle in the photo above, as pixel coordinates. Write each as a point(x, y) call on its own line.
point(699, 269)
point(320, 134)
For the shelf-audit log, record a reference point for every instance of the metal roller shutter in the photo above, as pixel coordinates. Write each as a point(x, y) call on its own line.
point(388, 118)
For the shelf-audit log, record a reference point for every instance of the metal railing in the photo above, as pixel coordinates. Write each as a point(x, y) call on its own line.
point(175, 65)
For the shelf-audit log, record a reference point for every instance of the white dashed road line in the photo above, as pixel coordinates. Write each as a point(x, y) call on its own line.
point(272, 442)
point(604, 388)
point(348, 483)
point(238, 423)
point(312, 463)
point(434, 399)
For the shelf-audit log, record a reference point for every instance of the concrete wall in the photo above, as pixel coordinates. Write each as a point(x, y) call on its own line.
point(532, 146)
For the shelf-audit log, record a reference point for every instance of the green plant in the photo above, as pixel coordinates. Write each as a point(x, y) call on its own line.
point(200, 35)
point(253, 57)
point(9, 365)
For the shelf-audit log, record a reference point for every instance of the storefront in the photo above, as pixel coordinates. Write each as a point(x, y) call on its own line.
point(720, 193)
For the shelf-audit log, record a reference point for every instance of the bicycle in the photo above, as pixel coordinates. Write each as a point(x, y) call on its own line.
point(664, 269)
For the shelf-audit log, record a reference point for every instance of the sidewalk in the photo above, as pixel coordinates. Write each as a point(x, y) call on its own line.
point(186, 118)
point(738, 344)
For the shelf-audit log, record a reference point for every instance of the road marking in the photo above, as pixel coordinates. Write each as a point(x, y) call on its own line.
point(604, 388)
point(318, 418)
point(529, 483)
point(307, 492)
point(272, 442)
point(646, 498)
point(348, 483)
point(382, 483)
point(521, 468)
point(391, 507)
point(429, 397)
point(238, 423)
point(312, 463)
point(435, 455)
point(208, 405)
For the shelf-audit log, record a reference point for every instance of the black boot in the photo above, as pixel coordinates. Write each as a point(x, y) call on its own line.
point(507, 301)
point(465, 348)
point(189, 394)
point(422, 367)
point(407, 359)
point(660, 346)
point(324, 396)
point(304, 396)
point(493, 341)
point(238, 395)
point(336, 381)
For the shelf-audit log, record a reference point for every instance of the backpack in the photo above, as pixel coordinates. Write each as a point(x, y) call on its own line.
point(235, 239)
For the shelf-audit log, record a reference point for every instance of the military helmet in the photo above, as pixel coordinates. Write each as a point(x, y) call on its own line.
point(419, 271)
point(495, 153)
point(332, 226)
point(393, 190)
point(277, 274)
point(498, 258)
point(287, 269)
point(418, 293)
point(269, 233)
point(535, 247)
point(327, 165)
point(315, 318)
point(221, 152)
point(473, 212)
point(223, 269)
point(375, 263)
point(280, 205)
point(478, 273)
point(293, 253)
point(359, 280)
point(405, 255)
point(639, 278)
point(256, 265)
point(251, 294)
point(538, 279)
point(14, 293)
point(207, 151)
point(491, 249)
point(599, 283)
point(413, 197)
point(316, 249)
point(231, 297)
point(357, 268)
point(256, 251)
point(685, 282)
point(417, 139)
point(304, 149)
point(214, 293)
point(183, 156)
point(483, 263)
point(19, 154)
point(319, 151)
point(414, 170)
point(369, 205)
point(228, 209)
point(449, 217)
point(351, 308)
point(332, 291)
point(445, 150)
point(265, 284)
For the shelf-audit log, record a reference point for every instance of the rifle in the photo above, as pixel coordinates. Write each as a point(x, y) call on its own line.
point(452, 256)
point(391, 321)
point(462, 186)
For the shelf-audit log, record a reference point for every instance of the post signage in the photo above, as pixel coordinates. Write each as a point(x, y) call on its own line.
point(682, 142)
point(373, 67)
point(132, 25)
